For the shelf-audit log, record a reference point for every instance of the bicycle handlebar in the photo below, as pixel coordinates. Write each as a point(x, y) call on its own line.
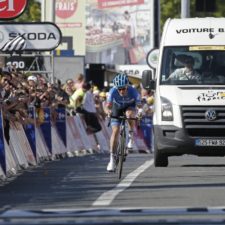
point(122, 118)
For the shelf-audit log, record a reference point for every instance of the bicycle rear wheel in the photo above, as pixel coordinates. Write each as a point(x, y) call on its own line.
point(121, 153)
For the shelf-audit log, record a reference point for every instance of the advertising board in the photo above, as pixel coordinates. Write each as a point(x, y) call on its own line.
point(10, 9)
point(29, 36)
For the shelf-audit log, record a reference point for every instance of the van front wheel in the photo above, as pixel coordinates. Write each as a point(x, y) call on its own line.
point(160, 159)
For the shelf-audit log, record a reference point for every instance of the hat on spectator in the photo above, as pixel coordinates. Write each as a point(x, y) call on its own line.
point(150, 100)
point(102, 94)
point(96, 92)
point(33, 78)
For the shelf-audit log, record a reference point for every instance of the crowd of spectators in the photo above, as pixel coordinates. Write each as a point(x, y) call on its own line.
point(19, 91)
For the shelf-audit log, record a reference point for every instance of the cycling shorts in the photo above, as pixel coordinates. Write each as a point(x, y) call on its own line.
point(117, 111)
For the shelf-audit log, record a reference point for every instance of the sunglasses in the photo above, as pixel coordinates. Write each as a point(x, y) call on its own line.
point(122, 89)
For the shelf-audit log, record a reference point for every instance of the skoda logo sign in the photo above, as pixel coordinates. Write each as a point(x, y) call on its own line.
point(43, 36)
point(210, 115)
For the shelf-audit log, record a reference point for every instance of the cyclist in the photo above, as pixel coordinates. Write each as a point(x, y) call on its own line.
point(122, 97)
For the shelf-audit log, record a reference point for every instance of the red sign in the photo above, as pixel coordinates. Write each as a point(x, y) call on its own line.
point(11, 8)
point(118, 3)
point(65, 8)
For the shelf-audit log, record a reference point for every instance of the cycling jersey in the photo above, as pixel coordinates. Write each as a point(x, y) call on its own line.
point(131, 99)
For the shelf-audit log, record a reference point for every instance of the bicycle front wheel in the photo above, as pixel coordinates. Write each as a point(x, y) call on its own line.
point(121, 151)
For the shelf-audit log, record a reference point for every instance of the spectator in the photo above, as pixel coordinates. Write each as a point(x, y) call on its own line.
point(89, 110)
point(99, 106)
point(102, 98)
point(79, 81)
point(70, 83)
point(76, 99)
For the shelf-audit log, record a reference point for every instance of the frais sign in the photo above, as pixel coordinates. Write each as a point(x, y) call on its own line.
point(10, 9)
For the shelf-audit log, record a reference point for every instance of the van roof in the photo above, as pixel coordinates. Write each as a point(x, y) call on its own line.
point(194, 31)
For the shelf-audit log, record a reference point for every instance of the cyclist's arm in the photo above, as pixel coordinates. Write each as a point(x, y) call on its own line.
point(109, 103)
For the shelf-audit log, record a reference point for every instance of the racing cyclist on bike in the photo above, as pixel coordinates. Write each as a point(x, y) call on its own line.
point(122, 98)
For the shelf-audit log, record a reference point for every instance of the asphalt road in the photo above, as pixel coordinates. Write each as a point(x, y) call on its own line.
point(190, 189)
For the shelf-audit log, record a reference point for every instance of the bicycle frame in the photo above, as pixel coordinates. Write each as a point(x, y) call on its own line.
point(121, 148)
point(121, 145)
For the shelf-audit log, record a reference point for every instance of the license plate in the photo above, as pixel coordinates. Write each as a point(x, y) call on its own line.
point(210, 142)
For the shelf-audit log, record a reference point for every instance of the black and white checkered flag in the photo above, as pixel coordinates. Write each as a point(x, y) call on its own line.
point(16, 44)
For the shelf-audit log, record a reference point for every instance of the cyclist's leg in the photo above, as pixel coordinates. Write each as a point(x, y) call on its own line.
point(113, 143)
point(130, 113)
point(114, 138)
point(115, 124)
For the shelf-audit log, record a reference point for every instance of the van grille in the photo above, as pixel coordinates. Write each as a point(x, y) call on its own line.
point(196, 124)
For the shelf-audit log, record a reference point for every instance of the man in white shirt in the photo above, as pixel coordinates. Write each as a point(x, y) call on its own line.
point(186, 73)
point(89, 110)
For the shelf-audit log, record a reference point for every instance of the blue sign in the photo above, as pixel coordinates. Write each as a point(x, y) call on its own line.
point(2, 146)
point(46, 128)
point(30, 131)
point(146, 126)
point(61, 123)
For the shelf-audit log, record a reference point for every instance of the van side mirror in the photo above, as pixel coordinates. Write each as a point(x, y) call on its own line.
point(147, 82)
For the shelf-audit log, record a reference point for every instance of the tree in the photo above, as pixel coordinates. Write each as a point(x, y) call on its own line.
point(32, 13)
point(172, 9)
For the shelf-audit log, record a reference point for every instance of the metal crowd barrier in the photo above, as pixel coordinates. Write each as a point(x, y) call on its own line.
point(48, 139)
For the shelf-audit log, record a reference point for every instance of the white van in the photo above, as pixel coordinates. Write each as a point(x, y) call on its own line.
point(189, 115)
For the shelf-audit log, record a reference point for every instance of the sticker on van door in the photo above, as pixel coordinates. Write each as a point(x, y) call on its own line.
point(211, 95)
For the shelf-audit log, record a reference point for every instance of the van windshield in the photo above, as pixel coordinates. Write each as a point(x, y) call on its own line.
point(194, 65)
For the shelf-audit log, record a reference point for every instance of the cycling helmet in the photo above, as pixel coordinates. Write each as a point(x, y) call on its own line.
point(121, 80)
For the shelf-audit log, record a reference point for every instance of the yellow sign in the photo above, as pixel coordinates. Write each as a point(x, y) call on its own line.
point(205, 48)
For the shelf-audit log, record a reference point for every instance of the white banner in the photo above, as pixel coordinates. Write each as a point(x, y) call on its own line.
point(29, 36)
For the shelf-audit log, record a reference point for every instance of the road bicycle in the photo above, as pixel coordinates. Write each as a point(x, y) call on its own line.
point(121, 148)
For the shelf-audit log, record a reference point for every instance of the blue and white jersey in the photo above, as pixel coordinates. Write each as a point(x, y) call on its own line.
point(131, 99)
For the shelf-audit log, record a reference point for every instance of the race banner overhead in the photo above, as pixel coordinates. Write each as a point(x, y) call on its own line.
point(10, 9)
point(29, 36)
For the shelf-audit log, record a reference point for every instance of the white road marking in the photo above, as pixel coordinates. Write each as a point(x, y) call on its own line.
point(107, 197)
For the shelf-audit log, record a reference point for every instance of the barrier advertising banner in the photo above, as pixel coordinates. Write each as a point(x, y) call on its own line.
point(30, 131)
point(2, 145)
point(46, 128)
point(61, 124)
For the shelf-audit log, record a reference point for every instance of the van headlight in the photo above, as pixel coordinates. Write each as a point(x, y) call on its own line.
point(167, 109)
